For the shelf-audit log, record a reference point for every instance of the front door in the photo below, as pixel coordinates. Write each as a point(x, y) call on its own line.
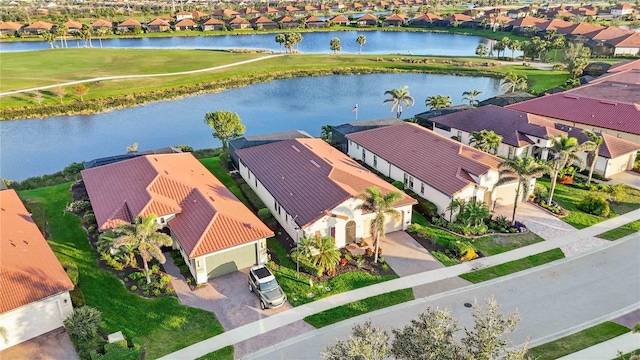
point(350, 232)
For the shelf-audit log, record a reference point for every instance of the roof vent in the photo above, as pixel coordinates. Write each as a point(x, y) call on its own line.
point(166, 172)
point(571, 96)
point(608, 102)
point(329, 161)
point(315, 163)
point(307, 145)
point(156, 159)
point(295, 148)
point(211, 198)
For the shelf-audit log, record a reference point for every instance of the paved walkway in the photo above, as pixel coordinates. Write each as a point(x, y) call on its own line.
point(630, 178)
point(285, 318)
point(609, 349)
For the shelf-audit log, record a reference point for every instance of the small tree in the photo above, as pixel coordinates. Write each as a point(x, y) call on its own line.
point(37, 96)
point(335, 45)
point(487, 141)
point(80, 90)
point(365, 343)
point(280, 39)
point(325, 133)
point(482, 50)
point(564, 151)
point(471, 97)
point(429, 337)
point(327, 255)
point(361, 40)
point(438, 101)
point(513, 82)
point(60, 92)
point(83, 322)
point(398, 98)
point(521, 170)
point(454, 205)
point(49, 38)
point(226, 125)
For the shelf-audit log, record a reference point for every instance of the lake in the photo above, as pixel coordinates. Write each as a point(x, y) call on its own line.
point(378, 42)
point(34, 147)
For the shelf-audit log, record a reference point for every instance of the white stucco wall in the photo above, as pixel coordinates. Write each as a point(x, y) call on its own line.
point(626, 51)
point(34, 319)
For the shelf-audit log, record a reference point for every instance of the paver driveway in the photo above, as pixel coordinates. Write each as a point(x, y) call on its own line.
point(537, 220)
point(54, 345)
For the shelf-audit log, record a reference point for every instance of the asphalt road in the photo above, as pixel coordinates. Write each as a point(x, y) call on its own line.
point(550, 299)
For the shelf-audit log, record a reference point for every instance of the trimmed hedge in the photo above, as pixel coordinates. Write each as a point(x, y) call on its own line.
point(307, 266)
point(594, 204)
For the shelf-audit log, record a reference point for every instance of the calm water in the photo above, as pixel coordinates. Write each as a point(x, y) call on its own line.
point(40, 146)
point(378, 42)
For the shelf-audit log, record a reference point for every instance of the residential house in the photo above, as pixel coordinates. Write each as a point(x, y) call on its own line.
point(427, 19)
point(101, 24)
point(249, 12)
point(35, 288)
point(129, 25)
point(507, 98)
point(198, 14)
point(38, 28)
point(314, 22)
point(130, 155)
point(238, 23)
point(338, 6)
point(622, 9)
point(290, 10)
point(456, 20)
point(598, 40)
point(9, 28)
point(629, 65)
point(395, 20)
point(186, 24)
point(286, 22)
point(525, 24)
point(181, 15)
point(367, 20)
point(625, 45)
point(262, 22)
point(215, 233)
point(552, 25)
point(424, 118)
point(270, 11)
point(73, 26)
point(224, 14)
point(309, 8)
point(339, 133)
point(246, 142)
point(212, 24)
point(312, 189)
point(576, 30)
point(340, 20)
point(433, 166)
point(158, 25)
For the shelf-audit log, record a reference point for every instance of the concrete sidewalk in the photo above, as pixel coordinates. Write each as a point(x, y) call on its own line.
point(608, 349)
point(285, 318)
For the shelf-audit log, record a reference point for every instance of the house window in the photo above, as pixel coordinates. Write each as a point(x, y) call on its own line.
point(249, 175)
point(459, 135)
point(619, 136)
point(408, 181)
point(510, 153)
point(277, 206)
point(375, 161)
point(162, 220)
point(422, 188)
point(364, 154)
point(256, 183)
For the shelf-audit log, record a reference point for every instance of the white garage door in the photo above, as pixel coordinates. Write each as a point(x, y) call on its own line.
point(505, 194)
point(392, 223)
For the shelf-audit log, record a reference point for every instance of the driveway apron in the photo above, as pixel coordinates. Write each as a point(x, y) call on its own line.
point(52, 345)
point(405, 256)
point(537, 220)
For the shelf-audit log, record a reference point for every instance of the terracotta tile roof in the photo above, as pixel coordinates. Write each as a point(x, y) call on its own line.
point(368, 17)
point(184, 13)
point(526, 21)
point(198, 14)
point(432, 158)
point(428, 17)
point(102, 23)
point(73, 25)
point(209, 217)
point(309, 177)
point(554, 24)
point(268, 10)
point(627, 41)
point(608, 33)
point(8, 25)
point(40, 25)
point(579, 29)
point(310, 8)
point(225, 12)
point(585, 110)
point(313, 19)
point(396, 17)
point(213, 21)
point(130, 22)
point(185, 22)
point(289, 8)
point(625, 65)
point(339, 18)
point(249, 11)
point(158, 22)
point(261, 20)
point(285, 19)
point(512, 125)
point(458, 17)
point(238, 20)
point(29, 271)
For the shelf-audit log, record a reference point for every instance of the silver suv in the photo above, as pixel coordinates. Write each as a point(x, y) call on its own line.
point(265, 286)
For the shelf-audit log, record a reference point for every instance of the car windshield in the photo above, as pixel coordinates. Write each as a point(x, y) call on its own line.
point(269, 285)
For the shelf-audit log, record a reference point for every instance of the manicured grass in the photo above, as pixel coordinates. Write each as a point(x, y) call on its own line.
point(578, 341)
point(213, 165)
point(359, 307)
point(627, 356)
point(622, 231)
point(298, 288)
point(569, 197)
point(162, 324)
point(226, 353)
point(513, 266)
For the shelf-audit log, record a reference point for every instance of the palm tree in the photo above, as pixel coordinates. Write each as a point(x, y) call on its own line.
point(399, 97)
point(513, 82)
point(335, 46)
point(325, 133)
point(514, 45)
point(49, 38)
point(482, 50)
point(361, 40)
point(522, 170)
point(438, 101)
point(592, 155)
point(454, 205)
point(327, 256)
point(471, 96)
point(381, 206)
point(564, 151)
point(475, 212)
point(143, 235)
point(101, 32)
point(487, 141)
point(281, 39)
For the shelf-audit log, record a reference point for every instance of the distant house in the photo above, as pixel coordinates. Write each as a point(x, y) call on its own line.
point(524, 24)
point(35, 288)
point(38, 28)
point(312, 189)
point(286, 22)
point(129, 25)
point(224, 13)
point(181, 15)
point(246, 142)
point(425, 20)
point(116, 158)
point(309, 8)
point(625, 45)
point(9, 28)
point(367, 20)
point(158, 25)
point(339, 133)
point(456, 20)
point(73, 26)
point(395, 20)
point(238, 23)
point(185, 24)
point(269, 11)
point(262, 22)
point(101, 24)
point(198, 14)
point(622, 9)
point(507, 99)
point(340, 20)
point(576, 30)
point(314, 22)
point(212, 24)
point(215, 233)
point(433, 166)
point(249, 12)
point(290, 10)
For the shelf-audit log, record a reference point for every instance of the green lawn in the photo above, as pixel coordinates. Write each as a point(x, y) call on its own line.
point(513, 266)
point(226, 353)
point(359, 307)
point(622, 231)
point(568, 197)
point(627, 356)
point(578, 341)
point(162, 324)
point(297, 287)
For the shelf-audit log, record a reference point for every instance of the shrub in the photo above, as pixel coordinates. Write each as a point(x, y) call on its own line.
point(185, 148)
point(264, 214)
point(444, 259)
point(359, 261)
point(596, 205)
point(111, 261)
point(500, 222)
point(89, 219)
point(469, 255)
point(460, 248)
point(398, 184)
point(134, 287)
point(83, 322)
point(120, 351)
point(385, 267)
point(79, 206)
point(540, 192)
point(381, 260)
point(423, 232)
point(307, 266)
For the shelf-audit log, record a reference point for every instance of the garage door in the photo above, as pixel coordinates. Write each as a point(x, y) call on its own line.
point(393, 224)
point(231, 260)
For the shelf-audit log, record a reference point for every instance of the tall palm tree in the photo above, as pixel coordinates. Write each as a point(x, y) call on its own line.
point(455, 205)
point(361, 40)
point(487, 141)
point(592, 155)
point(513, 82)
point(143, 235)
point(564, 151)
point(325, 133)
point(281, 39)
point(514, 46)
point(471, 96)
point(49, 37)
point(327, 256)
point(398, 98)
point(438, 101)
point(101, 32)
point(521, 170)
point(381, 206)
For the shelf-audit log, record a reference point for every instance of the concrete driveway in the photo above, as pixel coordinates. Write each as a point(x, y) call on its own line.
point(630, 178)
point(53, 345)
point(405, 255)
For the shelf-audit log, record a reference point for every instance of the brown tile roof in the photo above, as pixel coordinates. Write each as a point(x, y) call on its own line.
point(268, 10)
point(73, 25)
point(198, 14)
point(130, 22)
point(396, 17)
point(102, 23)
point(428, 17)
point(579, 29)
point(184, 13)
point(627, 41)
point(238, 20)
point(309, 177)
point(225, 12)
point(526, 21)
point(313, 19)
point(158, 22)
point(339, 18)
point(512, 125)
point(367, 17)
point(289, 8)
point(608, 88)
point(209, 217)
point(309, 8)
point(261, 20)
point(459, 17)
point(29, 271)
point(608, 33)
point(585, 110)
point(625, 65)
point(8, 25)
point(554, 24)
point(249, 11)
point(432, 158)
point(213, 21)
point(40, 25)
point(285, 19)
point(185, 22)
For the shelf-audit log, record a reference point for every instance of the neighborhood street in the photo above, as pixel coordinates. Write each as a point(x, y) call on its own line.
point(550, 299)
